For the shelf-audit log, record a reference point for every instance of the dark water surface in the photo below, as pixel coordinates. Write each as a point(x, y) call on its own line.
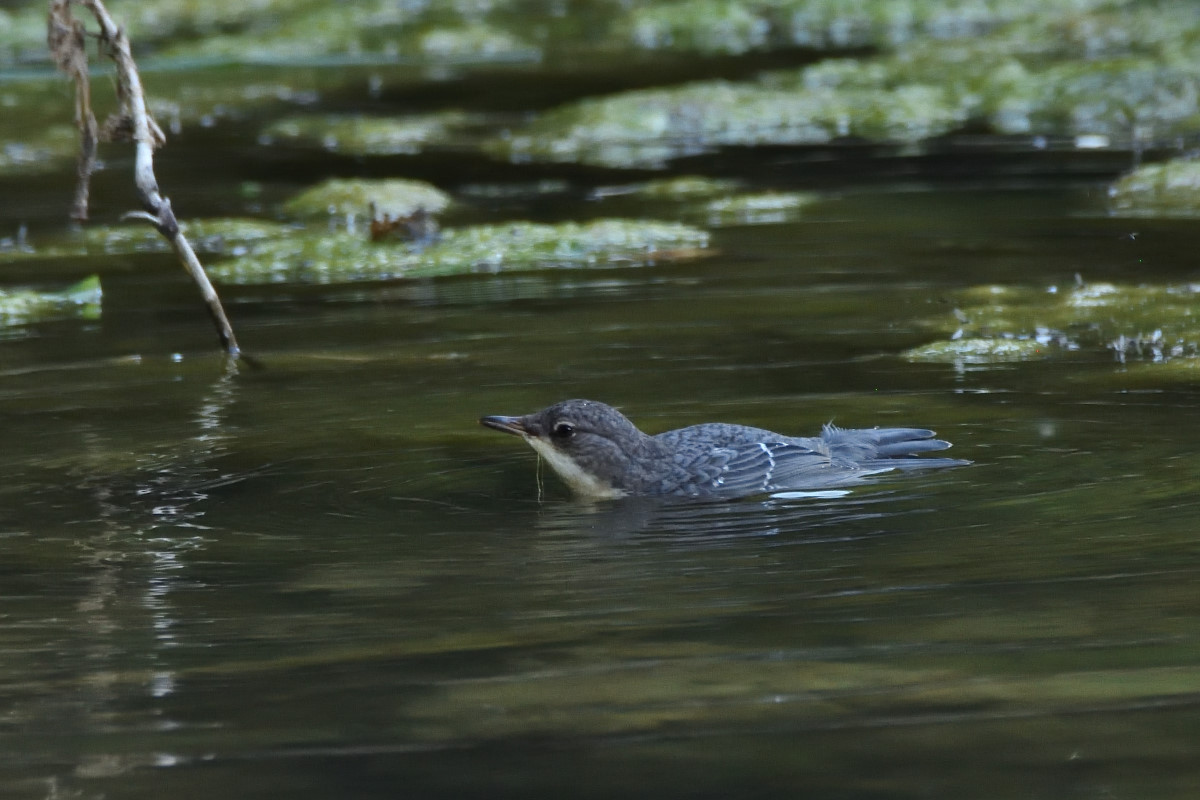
point(323, 579)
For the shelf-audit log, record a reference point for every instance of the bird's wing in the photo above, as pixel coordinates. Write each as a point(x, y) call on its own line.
point(757, 467)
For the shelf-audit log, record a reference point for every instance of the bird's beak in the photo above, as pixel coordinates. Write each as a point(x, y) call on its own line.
point(513, 425)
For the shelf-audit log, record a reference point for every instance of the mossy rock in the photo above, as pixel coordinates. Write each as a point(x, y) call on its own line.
point(217, 236)
point(683, 187)
point(979, 350)
point(298, 32)
point(1124, 98)
point(734, 27)
point(994, 323)
point(1114, 73)
point(23, 306)
point(340, 197)
point(333, 258)
point(367, 136)
point(474, 42)
point(649, 127)
point(1169, 189)
point(213, 236)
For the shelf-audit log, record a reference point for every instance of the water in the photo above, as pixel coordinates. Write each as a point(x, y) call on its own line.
point(322, 579)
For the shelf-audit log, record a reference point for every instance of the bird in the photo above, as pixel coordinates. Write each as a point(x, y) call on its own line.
point(600, 454)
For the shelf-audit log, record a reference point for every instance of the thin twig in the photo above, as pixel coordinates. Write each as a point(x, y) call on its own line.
point(66, 38)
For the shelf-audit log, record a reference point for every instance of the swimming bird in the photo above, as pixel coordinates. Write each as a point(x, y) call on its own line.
point(599, 453)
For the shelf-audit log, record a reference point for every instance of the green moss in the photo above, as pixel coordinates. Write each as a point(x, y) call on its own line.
point(23, 306)
point(1102, 69)
point(1124, 74)
point(353, 197)
point(684, 187)
point(316, 258)
point(164, 19)
point(979, 351)
point(1109, 68)
point(472, 43)
point(1122, 98)
point(367, 136)
point(733, 27)
point(369, 30)
point(47, 150)
point(646, 128)
point(22, 32)
point(295, 32)
point(767, 208)
point(1169, 189)
point(1156, 323)
point(209, 96)
point(215, 236)
point(706, 26)
point(707, 201)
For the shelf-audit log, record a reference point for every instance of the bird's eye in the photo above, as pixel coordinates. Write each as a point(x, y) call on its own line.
point(564, 430)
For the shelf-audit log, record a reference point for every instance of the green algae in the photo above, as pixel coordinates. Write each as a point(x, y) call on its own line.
point(764, 208)
point(349, 198)
point(1061, 72)
point(708, 201)
point(500, 31)
point(333, 258)
point(157, 20)
point(213, 95)
point(215, 236)
point(49, 150)
point(365, 31)
point(647, 128)
point(995, 323)
point(979, 350)
point(22, 33)
point(368, 136)
point(281, 31)
point(1124, 72)
point(732, 27)
point(212, 236)
point(683, 187)
point(472, 43)
point(1119, 72)
point(1169, 189)
point(1125, 99)
point(930, 89)
point(23, 306)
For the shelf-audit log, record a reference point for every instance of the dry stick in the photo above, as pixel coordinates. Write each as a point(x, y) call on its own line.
point(65, 38)
point(66, 41)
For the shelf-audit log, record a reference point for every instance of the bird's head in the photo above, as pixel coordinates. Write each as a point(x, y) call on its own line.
point(591, 446)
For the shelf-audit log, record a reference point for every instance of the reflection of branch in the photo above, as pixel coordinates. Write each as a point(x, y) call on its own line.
point(128, 617)
point(66, 39)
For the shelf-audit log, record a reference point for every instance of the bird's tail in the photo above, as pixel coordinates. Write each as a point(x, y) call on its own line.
point(888, 448)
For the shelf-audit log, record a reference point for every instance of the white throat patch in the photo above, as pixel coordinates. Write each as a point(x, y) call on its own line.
point(580, 482)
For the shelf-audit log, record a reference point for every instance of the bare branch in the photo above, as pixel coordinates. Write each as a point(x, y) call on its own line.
point(66, 39)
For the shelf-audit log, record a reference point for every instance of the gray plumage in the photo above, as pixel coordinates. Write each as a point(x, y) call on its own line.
point(600, 453)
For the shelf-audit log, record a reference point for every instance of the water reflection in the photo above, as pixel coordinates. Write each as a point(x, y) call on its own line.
point(709, 523)
point(115, 644)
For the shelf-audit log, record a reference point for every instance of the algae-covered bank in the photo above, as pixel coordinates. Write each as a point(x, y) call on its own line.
point(310, 573)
